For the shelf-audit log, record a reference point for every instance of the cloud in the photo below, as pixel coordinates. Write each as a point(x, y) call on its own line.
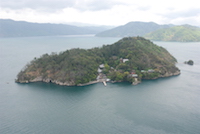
point(185, 13)
point(101, 12)
point(36, 4)
point(82, 5)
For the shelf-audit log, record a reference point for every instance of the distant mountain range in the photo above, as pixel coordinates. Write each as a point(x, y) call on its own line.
point(10, 28)
point(183, 33)
point(132, 29)
point(153, 31)
point(149, 30)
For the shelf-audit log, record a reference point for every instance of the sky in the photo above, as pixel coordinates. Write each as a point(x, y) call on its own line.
point(102, 12)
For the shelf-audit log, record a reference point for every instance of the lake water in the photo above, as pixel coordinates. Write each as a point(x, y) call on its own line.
point(162, 106)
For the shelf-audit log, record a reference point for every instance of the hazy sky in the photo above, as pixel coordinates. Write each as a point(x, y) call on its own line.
point(102, 12)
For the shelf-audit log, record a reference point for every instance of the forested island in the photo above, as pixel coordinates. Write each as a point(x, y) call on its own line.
point(131, 59)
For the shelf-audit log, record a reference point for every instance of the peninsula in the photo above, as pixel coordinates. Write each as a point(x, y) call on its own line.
point(130, 59)
point(183, 33)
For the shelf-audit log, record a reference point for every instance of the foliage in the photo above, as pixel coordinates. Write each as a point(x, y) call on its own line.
point(190, 62)
point(80, 66)
point(184, 33)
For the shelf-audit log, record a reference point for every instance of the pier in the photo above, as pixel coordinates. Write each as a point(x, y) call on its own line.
point(104, 82)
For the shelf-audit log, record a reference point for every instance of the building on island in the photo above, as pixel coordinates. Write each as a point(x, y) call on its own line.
point(123, 60)
point(101, 66)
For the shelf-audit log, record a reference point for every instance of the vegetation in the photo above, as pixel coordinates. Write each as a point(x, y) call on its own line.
point(79, 66)
point(132, 29)
point(153, 31)
point(190, 62)
point(184, 33)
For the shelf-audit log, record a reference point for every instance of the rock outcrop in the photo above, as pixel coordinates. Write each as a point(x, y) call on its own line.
point(190, 62)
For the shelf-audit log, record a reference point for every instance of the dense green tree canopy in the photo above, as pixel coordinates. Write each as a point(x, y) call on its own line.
point(78, 66)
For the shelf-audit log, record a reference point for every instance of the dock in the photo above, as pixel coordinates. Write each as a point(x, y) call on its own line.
point(104, 82)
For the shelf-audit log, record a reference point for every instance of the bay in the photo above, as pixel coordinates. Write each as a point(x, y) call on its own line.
point(164, 106)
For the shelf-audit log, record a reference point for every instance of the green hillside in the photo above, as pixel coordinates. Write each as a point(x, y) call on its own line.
point(184, 33)
point(122, 61)
point(132, 29)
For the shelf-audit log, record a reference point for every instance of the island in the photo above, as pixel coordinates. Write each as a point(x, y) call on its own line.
point(131, 59)
point(190, 62)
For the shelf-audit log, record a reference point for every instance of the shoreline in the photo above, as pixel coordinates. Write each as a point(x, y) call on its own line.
point(89, 83)
point(39, 79)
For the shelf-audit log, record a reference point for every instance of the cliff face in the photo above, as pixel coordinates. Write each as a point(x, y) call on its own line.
point(130, 59)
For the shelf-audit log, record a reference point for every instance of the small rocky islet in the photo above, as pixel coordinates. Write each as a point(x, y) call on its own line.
point(189, 62)
point(131, 59)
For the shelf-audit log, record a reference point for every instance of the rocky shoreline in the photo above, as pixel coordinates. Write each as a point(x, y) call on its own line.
point(170, 74)
point(72, 83)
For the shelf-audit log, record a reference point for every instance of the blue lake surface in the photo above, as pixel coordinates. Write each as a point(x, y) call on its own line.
point(163, 106)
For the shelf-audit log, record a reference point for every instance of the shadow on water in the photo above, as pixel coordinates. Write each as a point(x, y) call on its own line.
point(145, 82)
point(50, 87)
point(122, 84)
point(161, 79)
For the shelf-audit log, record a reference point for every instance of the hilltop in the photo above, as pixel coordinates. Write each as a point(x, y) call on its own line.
point(130, 59)
point(184, 33)
point(132, 29)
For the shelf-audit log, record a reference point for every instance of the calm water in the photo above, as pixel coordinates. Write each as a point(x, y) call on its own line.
point(163, 106)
